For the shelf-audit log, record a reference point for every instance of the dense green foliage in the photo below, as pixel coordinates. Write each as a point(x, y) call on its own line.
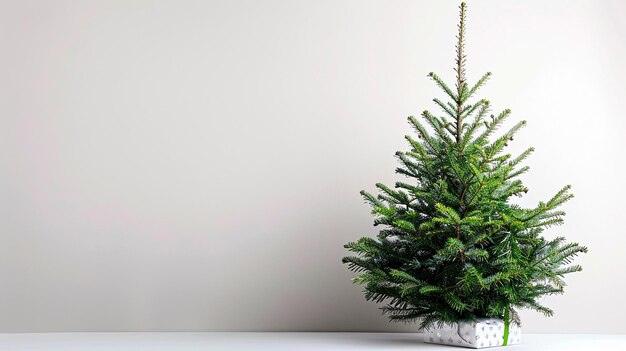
point(453, 246)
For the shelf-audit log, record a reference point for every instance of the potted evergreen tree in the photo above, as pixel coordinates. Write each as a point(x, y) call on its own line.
point(455, 253)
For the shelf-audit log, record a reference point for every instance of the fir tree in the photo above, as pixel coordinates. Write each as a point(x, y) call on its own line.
point(454, 247)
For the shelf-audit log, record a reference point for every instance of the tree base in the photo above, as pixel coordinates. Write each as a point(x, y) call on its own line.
point(479, 334)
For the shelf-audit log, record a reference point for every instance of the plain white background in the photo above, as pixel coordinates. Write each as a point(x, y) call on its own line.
point(195, 165)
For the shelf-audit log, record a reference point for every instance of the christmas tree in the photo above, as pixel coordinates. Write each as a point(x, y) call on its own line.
point(454, 247)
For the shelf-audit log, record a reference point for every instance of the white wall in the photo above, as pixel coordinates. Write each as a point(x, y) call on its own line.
point(195, 165)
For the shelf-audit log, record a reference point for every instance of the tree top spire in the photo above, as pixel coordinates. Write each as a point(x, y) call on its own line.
point(460, 55)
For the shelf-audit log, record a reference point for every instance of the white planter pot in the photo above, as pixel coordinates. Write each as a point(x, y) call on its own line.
point(485, 332)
